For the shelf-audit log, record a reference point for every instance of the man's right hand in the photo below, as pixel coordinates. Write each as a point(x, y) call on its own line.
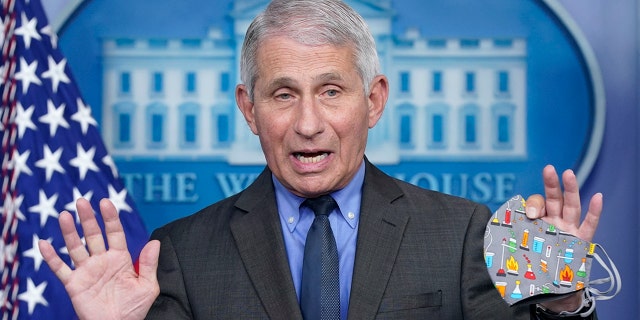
point(104, 283)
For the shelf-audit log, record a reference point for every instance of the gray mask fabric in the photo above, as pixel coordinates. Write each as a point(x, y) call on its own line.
point(531, 261)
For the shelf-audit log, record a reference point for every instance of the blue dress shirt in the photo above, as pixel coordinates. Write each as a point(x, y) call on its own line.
point(296, 222)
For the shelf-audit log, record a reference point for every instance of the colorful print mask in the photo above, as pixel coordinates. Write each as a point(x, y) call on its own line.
point(531, 261)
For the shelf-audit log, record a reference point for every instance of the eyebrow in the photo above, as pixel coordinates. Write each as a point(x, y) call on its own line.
point(290, 82)
point(329, 76)
point(280, 82)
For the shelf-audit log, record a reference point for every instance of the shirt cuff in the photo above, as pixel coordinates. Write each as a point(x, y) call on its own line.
point(585, 311)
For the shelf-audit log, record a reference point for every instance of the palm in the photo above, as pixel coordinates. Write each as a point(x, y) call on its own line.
point(116, 284)
point(563, 208)
point(104, 284)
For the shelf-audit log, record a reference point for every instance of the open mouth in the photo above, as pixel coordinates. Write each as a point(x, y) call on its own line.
point(311, 157)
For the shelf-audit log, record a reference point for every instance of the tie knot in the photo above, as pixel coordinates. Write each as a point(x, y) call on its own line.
point(322, 205)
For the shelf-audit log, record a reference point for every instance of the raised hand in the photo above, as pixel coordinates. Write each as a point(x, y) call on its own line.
point(563, 209)
point(104, 284)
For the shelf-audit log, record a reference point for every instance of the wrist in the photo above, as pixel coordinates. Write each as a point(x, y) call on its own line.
point(570, 303)
point(579, 305)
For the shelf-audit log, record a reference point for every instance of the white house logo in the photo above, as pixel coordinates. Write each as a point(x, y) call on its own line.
point(481, 96)
point(454, 98)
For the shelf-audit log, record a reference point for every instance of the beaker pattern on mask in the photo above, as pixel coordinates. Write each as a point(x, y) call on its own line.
point(533, 255)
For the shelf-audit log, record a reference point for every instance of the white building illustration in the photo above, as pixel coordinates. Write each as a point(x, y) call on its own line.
point(460, 99)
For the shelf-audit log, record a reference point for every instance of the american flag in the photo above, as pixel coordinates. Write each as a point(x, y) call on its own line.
point(52, 154)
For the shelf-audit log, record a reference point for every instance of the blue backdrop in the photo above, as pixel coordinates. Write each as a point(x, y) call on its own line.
point(611, 30)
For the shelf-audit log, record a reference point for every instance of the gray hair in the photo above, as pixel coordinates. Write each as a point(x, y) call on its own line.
point(311, 22)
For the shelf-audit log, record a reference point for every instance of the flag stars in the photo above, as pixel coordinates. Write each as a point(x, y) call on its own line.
point(56, 73)
point(53, 37)
point(108, 160)
point(50, 162)
point(34, 253)
point(83, 116)
point(20, 165)
point(34, 295)
point(27, 74)
point(45, 207)
point(11, 207)
point(119, 199)
point(44, 99)
point(23, 119)
point(84, 161)
point(54, 117)
point(28, 30)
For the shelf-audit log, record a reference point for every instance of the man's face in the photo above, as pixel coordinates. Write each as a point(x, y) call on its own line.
point(311, 114)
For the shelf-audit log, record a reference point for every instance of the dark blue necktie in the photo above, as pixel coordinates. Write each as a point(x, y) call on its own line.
point(320, 290)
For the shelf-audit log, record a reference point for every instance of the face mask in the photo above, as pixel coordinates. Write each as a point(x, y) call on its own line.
point(531, 261)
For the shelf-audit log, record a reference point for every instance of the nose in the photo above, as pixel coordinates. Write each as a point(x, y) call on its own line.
point(309, 121)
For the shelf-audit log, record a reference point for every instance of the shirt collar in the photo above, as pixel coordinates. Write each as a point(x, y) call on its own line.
point(348, 199)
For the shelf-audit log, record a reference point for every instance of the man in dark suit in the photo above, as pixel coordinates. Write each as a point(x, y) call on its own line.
point(311, 90)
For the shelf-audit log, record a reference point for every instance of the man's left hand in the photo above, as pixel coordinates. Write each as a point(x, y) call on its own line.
point(563, 210)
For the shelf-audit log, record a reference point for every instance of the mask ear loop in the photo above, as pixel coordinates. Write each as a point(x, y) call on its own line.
point(614, 278)
point(592, 294)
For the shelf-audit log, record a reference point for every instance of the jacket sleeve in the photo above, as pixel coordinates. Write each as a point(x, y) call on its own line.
point(480, 299)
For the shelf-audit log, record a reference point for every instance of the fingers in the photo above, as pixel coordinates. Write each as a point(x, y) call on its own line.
point(75, 247)
point(61, 270)
point(92, 231)
point(148, 261)
point(561, 204)
point(590, 224)
point(95, 243)
point(553, 192)
point(535, 207)
point(571, 209)
point(113, 228)
point(563, 208)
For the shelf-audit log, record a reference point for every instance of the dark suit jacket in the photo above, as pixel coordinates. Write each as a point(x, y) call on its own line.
point(419, 256)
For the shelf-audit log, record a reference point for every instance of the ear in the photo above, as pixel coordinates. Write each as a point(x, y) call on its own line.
point(378, 95)
point(246, 107)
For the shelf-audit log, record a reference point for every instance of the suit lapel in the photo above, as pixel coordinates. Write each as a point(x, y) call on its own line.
point(380, 232)
point(258, 235)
